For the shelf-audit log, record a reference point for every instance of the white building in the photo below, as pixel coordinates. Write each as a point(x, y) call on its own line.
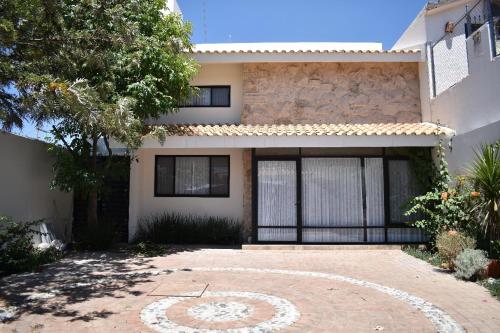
point(310, 142)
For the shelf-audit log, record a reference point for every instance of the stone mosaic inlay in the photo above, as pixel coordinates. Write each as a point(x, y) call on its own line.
point(220, 311)
point(285, 313)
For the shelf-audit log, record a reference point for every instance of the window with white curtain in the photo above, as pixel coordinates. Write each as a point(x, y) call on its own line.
point(209, 96)
point(192, 176)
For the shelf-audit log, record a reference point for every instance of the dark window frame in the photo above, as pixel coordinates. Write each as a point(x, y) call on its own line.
point(209, 195)
point(298, 158)
point(228, 105)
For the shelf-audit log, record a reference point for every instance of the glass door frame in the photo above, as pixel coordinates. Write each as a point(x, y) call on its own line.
point(298, 159)
point(298, 198)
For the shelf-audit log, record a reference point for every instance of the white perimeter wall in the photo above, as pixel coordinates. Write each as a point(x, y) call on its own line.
point(472, 106)
point(213, 74)
point(475, 101)
point(143, 203)
point(25, 176)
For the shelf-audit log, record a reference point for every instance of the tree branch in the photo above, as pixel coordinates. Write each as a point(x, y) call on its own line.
point(106, 142)
point(66, 144)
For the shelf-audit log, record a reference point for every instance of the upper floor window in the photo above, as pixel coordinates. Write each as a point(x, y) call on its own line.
point(209, 96)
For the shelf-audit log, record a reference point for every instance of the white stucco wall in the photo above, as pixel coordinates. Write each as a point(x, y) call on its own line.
point(25, 176)
point(473, 102)
point(472, 106)
point(464, 146)
point(428, 25)
point(143, 203)
point(213, 74)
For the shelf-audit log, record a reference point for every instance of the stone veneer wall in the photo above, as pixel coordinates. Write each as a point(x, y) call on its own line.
point(308, 93)
point(247, 194)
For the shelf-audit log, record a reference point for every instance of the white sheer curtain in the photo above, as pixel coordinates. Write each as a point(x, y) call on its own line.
point(331, 192)
point(277, 198)
point(374, 182)
point(332, 196)
point(192, 175)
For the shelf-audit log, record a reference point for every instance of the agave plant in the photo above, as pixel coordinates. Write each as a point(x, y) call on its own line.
point(485, 174)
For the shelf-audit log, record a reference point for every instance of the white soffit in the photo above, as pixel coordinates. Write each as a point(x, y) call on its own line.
point(291, 141)
point(301, 52)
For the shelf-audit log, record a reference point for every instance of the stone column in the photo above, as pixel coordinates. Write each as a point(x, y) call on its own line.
point(247, 194)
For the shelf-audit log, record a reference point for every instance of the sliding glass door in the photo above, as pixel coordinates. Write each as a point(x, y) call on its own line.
point(335, 200)
point(277, 200)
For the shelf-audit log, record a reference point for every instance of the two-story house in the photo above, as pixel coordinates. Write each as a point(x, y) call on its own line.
point(301, 142)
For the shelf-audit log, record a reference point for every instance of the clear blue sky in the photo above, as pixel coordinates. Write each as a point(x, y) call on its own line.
point(241, 21)
point(299, 20)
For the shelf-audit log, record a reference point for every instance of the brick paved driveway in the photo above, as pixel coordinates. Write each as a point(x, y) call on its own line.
point(213, 290)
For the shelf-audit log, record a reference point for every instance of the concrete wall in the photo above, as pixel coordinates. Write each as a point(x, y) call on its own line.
point(463, 147)
point(213, 74)
point(308, 93)
point(143, 203)
point(473, 102)
point(472, 106)
point(25, 176)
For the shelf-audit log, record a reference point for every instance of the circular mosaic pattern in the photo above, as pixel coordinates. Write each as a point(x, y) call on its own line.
point(220, 311)
point(154, 315)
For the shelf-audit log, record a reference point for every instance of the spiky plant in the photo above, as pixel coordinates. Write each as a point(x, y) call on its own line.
point(485, 174)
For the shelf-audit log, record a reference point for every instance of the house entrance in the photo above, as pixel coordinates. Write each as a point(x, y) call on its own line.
point(335, 200)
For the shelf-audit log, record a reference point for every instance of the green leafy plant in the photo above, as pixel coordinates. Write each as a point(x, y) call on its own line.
point(485, 175)
point(425, 255)
point(443, 207)
point(469, 263)
point(188, 229)
point(17, 252)
point(495, 249)
point(450, 243)
point(493, 286)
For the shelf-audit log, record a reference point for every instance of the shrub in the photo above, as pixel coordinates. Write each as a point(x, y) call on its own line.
point(425, 255)
point(485, 174)
point(494, 288)
point(188, 229)
point(495, 249)
point(450, 243)
point(469, 263)
point(444, 207)
point(17, 253)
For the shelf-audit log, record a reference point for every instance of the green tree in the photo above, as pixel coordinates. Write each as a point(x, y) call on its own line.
point(94, 70)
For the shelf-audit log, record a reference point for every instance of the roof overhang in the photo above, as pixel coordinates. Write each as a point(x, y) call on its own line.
point(323, 135)
point(300, 52)
point(320, 56)
point(291, 141)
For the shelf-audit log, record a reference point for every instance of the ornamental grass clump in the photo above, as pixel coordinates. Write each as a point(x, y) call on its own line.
point(449, 245)
point(171, 228)
point(469, 263)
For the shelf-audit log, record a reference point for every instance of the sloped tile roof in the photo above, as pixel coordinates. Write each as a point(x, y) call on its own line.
point(265, 48)
point(307, 130)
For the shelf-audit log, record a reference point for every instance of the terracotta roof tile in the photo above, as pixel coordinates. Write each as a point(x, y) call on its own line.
point(425, 129)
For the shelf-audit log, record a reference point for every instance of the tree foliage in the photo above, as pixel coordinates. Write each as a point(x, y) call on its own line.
point(95, 70)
